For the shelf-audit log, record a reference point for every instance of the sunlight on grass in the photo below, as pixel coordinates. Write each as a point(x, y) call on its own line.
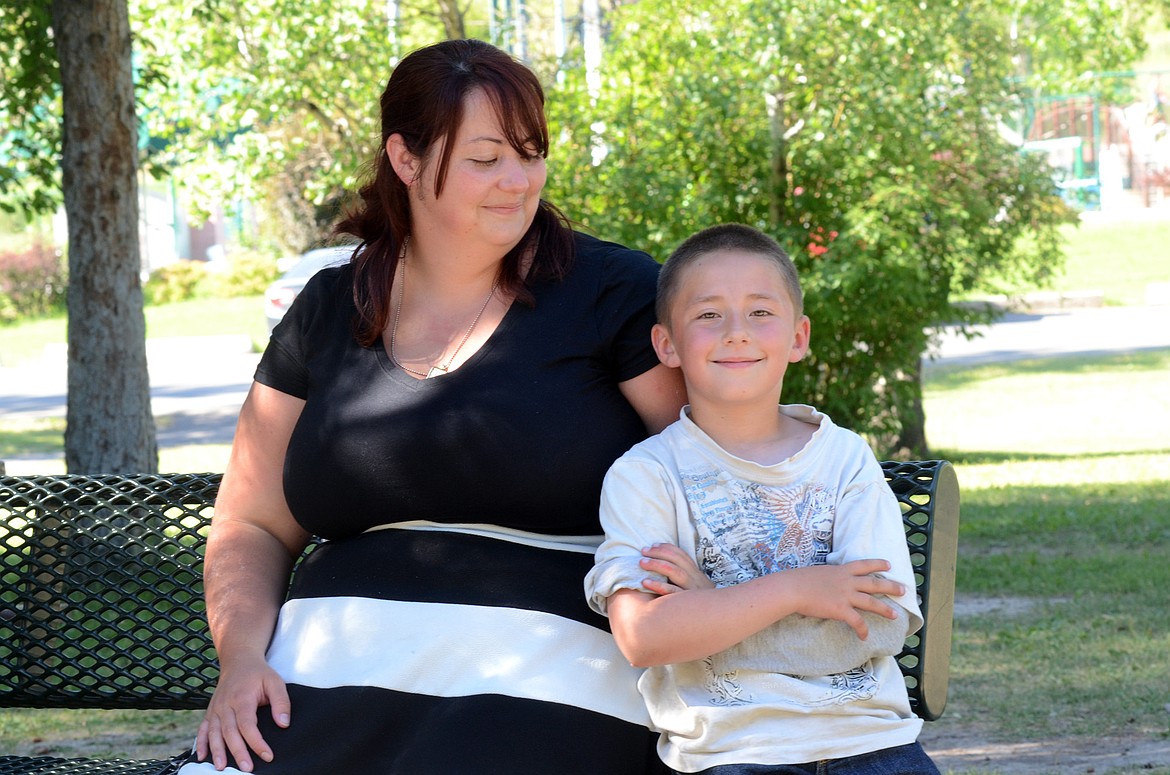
point(200, 458)
point(1054, 406)
point(1064, 469)
point(1057, 471)
point(1119, 258)
point(238, 315)
point(26, 341)
point(43, 441)
point(39, 437)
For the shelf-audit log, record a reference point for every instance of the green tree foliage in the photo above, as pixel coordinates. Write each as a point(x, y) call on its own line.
point(865, 136)
point(270, 101)
point(1059, 44)
point(30, 109)
point(276, 102)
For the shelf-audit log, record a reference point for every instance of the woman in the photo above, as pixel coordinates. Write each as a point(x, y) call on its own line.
point(442, 411)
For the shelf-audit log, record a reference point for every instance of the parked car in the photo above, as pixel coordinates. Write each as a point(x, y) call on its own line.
point(280, 295)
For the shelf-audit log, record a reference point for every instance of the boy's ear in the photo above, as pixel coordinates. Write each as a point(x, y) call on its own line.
point(800, 339)
point(663, 346)
point(406, 165)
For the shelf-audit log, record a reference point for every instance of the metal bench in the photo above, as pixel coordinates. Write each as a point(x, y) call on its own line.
point(101, 602)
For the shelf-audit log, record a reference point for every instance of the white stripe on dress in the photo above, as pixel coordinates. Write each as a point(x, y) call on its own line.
point(566, 543)
point(430, 648)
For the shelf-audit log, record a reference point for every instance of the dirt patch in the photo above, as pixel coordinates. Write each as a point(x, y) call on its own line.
point(1006, 607)
point(111, 746)
point(146, 734)
point(956, 750)
point(961, 748)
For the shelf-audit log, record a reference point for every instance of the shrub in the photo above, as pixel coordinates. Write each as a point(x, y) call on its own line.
point(32, 282)
point(179, 281)
point(248, 273)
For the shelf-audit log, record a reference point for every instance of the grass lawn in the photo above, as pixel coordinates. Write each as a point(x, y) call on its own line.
point(1064, 467)
point(46, 438)
point(1117, 257)
point(239, 315)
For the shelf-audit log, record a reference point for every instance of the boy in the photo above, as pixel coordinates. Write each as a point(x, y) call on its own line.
point(775, 652)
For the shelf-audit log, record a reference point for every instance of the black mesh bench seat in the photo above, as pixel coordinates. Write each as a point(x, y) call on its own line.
point(101, 595)
point(48, 765)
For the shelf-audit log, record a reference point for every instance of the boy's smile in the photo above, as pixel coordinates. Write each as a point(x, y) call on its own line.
point(733, 331)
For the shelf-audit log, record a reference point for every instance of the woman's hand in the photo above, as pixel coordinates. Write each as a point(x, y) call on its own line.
point(677, 566)
point(229, 725)
point(250, 551)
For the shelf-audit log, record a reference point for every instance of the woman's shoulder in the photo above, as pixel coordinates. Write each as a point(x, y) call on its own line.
point(331, 288)
point(325, 303)
point(603, 252)
point(611, 261)
point(329, 279)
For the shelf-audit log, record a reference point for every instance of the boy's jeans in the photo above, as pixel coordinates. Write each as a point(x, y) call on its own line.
point(902, 760)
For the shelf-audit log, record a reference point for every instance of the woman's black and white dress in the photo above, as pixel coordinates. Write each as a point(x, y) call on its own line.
point(442, 627)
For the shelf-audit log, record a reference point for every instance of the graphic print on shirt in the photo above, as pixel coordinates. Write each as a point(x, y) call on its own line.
point(745, 530)
point(723, 688)
point(855, 685)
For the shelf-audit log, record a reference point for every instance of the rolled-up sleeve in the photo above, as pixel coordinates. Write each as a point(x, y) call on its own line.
point(638, 508)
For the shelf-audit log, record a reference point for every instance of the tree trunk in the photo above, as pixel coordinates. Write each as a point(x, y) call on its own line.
point(108, 424)
point(912, 439)
point(452, 16)
point(778, 168)
point(591, 34)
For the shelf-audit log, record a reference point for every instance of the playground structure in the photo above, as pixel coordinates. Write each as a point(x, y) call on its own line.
point(1106, 152)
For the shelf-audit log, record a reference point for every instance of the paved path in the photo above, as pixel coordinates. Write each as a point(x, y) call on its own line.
point(199, 383)
point(1084, 331)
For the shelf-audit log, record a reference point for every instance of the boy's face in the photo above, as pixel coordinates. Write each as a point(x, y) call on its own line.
point(733, 329)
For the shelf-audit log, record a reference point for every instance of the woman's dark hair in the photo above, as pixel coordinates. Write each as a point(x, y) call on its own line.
point(423, 102)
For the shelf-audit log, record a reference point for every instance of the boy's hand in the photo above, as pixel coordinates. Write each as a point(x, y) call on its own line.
point(843, 592)
point(676, 565)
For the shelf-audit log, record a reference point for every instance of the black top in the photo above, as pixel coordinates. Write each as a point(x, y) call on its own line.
point(520, 435)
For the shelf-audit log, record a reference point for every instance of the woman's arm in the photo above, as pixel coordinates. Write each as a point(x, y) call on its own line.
point(252, 545)
point(657, 396)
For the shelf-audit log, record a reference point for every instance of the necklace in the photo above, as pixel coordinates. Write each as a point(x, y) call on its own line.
point(439, 368)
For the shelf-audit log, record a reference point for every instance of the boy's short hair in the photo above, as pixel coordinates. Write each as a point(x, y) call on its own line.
point(728, 236)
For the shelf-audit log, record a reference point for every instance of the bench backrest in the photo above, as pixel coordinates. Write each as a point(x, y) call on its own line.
point(101, 590)
point(928, 493)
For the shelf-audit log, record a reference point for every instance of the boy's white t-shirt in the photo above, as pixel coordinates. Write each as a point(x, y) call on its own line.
point(804, 689)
